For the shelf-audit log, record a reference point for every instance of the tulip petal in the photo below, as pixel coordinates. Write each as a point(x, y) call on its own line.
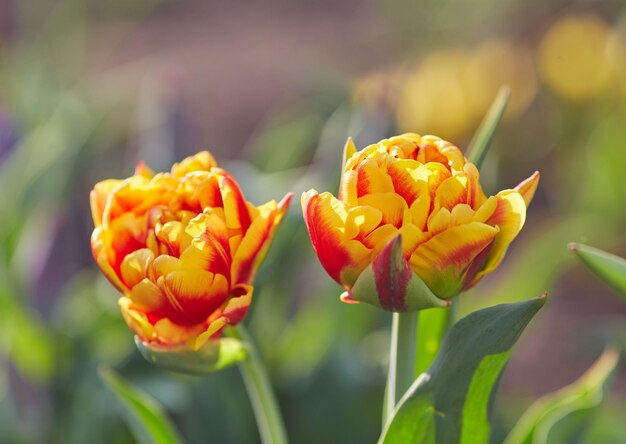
point(137, 321)
point(509, 216)
point(484, 212)
point(349, 149)
point(238, 305)
point(439, 221)
point(412, 237)
point(392, 206)
point(233, 312)
point(235, 206)
point(408, 181)
point(195, 294)
point(146, 296)
point(443, 261)
point(361, 220)
point(347, 189)
point(98, 198)
point(451, 192)
point(256, 241)
point(171, 333)
point(419, 211)
point(324, 217)
point(202, 161)
point(475, 195)
point(99, 251)
point(461, 214)
point(135, 266)
point(371, 179)
point(528, 187)
point(208, 253)
point(379, 237)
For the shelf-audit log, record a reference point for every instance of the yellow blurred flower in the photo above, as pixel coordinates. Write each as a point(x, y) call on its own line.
point(573, 57)
point(451, 90)
point(411, 210)
point(182, 248)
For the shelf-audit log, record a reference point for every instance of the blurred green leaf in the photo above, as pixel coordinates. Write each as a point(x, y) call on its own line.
point(213, 356)
point(143, 414)
point(25, 339)
point(481, 141)
point(609, 268)
point(450, 402)
point(562, 416)
point(430, 331)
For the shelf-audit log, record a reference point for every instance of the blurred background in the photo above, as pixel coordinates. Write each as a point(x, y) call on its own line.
point(273, 89)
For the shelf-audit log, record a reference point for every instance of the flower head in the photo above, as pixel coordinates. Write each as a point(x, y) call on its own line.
point(410, 212)
point(182, 248)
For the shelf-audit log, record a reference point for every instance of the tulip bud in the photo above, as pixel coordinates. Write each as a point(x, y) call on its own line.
point(411, 227)
point(182, 248)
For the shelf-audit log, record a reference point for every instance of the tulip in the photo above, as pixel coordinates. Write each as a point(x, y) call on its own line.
point(411, 227)
point(182, 248)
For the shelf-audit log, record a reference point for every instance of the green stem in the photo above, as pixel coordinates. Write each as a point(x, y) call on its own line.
point(401, 360)
point(266, 412)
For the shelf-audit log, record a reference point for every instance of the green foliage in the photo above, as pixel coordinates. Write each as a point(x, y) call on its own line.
point(450, 402)
point(144, 415)
point(609, 268)
point(481, 141)
point(562, 416)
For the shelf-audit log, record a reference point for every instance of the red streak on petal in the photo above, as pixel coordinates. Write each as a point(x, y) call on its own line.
point(391, 280)
point(327, 246)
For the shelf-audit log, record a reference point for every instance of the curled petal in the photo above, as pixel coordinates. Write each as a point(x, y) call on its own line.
point(195, 293)
point(509, 216)
point(202, 161)
point(136, 320)
point(325, 218)
point(99, 251)
point(256, 241)
point(98, 198)
point(528, 187)
point(232, 313)
point(134, 267)
point(236, 211)
point(147, 296)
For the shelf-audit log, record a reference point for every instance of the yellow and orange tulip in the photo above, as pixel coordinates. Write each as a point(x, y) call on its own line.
point(182, 248)
point(410, 212)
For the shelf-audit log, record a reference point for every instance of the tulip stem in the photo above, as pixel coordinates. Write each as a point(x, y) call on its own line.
point(401, 360)
point(268, 417)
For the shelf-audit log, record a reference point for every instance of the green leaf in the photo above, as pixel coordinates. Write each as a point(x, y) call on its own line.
point(482, 138)
point(609, 268)
point(145, 417)
point(450, 402)
point(560, 417)
point(213, 356)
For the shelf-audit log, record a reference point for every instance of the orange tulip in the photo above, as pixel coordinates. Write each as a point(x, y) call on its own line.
point(411, 227)
point(182, 248)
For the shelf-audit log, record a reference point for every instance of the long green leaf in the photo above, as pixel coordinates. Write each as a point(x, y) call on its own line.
point(145, 417)
point(450, 402)
point(609, 268)
point(484, 135)
point(562, 416)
